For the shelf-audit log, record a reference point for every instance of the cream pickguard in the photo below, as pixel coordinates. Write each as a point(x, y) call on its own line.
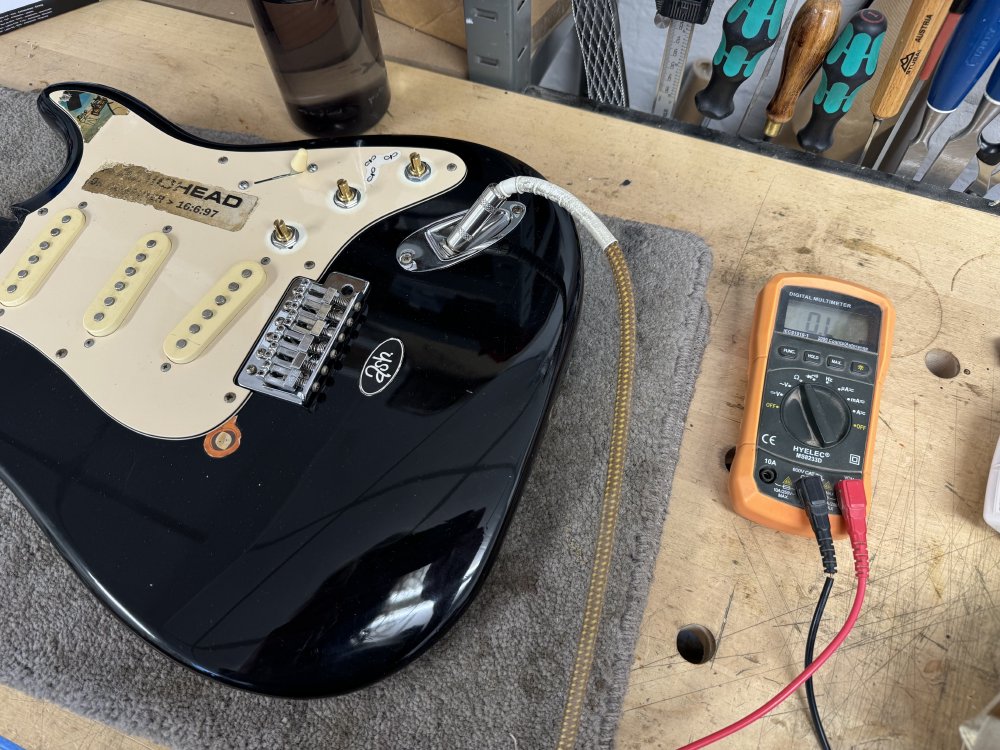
point(108, 320)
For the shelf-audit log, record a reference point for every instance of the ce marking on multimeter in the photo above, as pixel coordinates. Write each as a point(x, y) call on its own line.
point(818, 353)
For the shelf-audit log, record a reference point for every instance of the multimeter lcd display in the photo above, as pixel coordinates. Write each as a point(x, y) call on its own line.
point(828, 322)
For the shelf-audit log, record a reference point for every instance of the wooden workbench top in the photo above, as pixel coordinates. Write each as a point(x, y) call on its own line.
point(923, 658)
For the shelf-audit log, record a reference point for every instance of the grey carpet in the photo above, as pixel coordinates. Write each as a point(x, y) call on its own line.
point(498, 679)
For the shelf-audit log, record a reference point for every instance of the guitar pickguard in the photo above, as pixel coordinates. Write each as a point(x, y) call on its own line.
point(217, 207)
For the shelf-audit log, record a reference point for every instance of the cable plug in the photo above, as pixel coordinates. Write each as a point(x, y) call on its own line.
point(812, 495)
point(853, 502)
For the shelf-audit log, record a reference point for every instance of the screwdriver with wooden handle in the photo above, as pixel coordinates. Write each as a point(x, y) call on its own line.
point(809, 38)
point(920, 28)
point(958, 150)
point(890, 153)
point(973, 47)
point(848, 66)
point(749, 29)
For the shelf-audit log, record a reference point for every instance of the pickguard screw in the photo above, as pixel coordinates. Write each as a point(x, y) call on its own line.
point(82, 205)
point(452, 167)
point(42, 211)
point(165, 367)
point(167, 229)
point(265, 261)
point(243, 185)
point(88, 343)
point(229, 397)
point(2, 311)
point(309, 265)
point(61, 353)
point(312, 167)
point(223, 160)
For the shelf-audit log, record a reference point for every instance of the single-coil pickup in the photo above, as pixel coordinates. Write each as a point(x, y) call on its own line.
point(214, 312)
point(119, 296)
point(34, 267)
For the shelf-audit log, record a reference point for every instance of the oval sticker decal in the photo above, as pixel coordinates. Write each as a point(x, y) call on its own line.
point(381, 367)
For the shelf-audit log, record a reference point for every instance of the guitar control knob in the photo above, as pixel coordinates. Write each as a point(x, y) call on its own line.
point(300, 161)
point(284, 236)
point(815, 415)
point(417, 170)
point(346, 196)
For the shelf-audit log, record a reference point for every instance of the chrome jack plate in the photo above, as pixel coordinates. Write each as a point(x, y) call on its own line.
point(425, 249)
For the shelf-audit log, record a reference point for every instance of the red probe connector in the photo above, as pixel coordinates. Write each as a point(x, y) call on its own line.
point(854, 508)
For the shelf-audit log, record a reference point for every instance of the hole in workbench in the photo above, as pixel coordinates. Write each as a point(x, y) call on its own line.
point(728, 458)
point(942, 363)
point(696, 644)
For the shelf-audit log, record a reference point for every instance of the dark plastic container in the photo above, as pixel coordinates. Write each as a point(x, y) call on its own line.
point(326, 57)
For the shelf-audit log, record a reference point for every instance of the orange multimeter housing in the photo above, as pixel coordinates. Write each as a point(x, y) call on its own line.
point(819, 352)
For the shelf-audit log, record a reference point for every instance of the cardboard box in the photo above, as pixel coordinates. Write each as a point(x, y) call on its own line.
point(445, 19)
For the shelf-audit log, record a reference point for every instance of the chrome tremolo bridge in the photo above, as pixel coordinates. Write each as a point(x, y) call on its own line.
point(309, 329)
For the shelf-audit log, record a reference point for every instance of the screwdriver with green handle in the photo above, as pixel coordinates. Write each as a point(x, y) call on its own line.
point(848, 66)
point(749, 29)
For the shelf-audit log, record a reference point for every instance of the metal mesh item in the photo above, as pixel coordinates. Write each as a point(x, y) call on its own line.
point(598, 29)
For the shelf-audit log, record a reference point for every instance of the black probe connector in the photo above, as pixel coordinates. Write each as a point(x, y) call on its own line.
point(812, 494)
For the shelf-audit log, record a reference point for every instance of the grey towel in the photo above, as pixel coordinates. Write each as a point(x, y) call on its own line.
point(499, 678)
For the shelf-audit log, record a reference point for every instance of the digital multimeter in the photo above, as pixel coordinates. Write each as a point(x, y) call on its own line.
point(819, 352)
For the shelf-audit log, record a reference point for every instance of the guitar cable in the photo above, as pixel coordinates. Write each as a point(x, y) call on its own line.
point(476, 217)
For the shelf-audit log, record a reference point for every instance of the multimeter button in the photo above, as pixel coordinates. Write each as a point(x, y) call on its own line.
point(860, 368)
point(815, 415)
point(837, 363)
point(788, 352)
point(811, 358)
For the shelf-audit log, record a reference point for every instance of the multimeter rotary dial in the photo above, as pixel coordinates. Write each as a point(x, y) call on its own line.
point(815, 416)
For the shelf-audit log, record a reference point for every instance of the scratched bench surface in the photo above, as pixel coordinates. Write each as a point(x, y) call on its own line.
point(922, 659)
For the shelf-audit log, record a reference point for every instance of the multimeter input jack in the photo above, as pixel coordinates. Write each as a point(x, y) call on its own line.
point(767, 475)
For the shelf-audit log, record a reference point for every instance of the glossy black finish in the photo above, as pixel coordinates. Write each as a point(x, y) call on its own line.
point(337, 543)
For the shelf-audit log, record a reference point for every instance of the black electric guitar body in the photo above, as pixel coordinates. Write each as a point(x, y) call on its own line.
point(286, 456)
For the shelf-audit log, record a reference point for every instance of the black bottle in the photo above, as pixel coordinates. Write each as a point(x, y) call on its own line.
point(327, 59)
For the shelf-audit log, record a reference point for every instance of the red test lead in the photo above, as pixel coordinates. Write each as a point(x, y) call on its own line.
point(853, 505)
